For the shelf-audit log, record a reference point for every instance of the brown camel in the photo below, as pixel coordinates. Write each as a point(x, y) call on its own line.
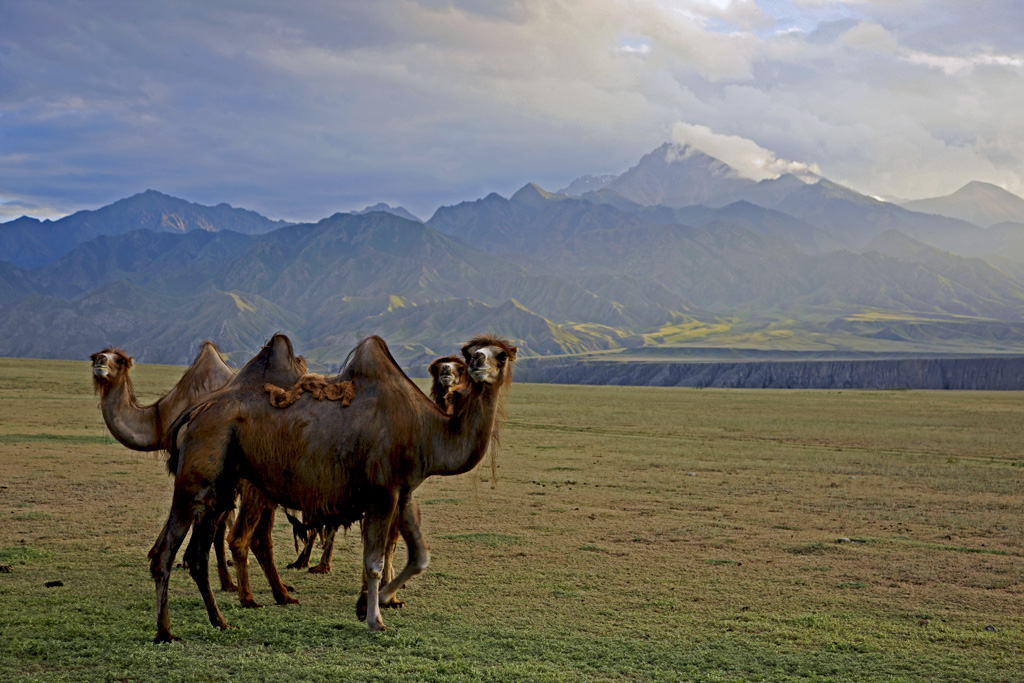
point(146, 428)
point(447, 374)
point(276, 363)
point(341, 464)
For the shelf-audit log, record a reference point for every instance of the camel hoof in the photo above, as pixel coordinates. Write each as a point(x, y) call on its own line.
point(378, 626)
point(229, 588)
point(165, 638)
point(319, 569)
point(248, 604)
point(297, 565)
point(288, 588)
point(361, 607)
point(287, 600)
point(394, 604)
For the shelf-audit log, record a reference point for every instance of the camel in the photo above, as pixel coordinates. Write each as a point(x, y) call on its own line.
point(360, 463)
point(448, 375)
point(147, 428)
point(276, 363)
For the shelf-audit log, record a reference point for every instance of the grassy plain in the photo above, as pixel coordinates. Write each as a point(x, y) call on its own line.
point(634, 534)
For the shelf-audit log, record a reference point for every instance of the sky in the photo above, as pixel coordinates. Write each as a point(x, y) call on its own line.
point(304, 108)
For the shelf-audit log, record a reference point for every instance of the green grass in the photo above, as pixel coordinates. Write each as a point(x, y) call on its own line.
point(633, 535)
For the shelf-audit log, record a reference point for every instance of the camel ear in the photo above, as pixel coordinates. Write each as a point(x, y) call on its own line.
point(129, 362)
point(512, 353)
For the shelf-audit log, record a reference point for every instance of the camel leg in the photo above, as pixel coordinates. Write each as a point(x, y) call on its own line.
point(161, 560)
point(263, 549)
point(324, 567)
point(389, 554)
point(206, 528)
point(376, 528)
point(419, 554)
point(226, 584)
point(388, 574)
point(239, 541)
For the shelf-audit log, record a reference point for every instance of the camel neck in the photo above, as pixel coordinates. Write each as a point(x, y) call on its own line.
point(135, 426)
point(471, 430)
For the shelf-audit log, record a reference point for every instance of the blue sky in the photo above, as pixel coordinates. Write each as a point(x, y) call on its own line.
point(301, 109)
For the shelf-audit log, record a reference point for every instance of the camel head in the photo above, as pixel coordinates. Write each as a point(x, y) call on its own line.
point(109, 366)
point(448, 371)
point(489, 360)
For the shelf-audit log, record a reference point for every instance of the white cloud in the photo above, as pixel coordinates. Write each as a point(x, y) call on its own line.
point(15, 208)
point(746, 156)
point(954, 66)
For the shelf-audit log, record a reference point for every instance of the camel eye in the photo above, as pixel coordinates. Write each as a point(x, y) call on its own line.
point(120, 361)
point(502, 357)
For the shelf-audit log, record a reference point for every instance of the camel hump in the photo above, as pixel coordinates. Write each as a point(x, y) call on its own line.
point(207, 346)
point(371, 360)
point(208, 371)
point(276, 363)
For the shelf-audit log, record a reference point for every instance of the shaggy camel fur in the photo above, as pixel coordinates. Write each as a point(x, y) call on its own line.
point(321, 389)
point(317, 385)
point(448, 375)
point(360, 463)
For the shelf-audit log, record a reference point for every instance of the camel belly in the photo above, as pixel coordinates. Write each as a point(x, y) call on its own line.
point(316, 482)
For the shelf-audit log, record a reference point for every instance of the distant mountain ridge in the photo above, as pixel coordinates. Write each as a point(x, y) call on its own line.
point(400, 211)
point(980, 203)
point(28, 243)
point(679, 250)
point(676, 176)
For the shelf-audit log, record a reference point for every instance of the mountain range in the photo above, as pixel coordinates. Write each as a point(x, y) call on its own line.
point(677, 254)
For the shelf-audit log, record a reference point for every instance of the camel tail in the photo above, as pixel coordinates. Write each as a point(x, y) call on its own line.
point(299, 530)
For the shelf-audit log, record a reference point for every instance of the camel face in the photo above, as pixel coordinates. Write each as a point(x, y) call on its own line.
point(487, 362)
point(108, 364)
point(449, 374)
